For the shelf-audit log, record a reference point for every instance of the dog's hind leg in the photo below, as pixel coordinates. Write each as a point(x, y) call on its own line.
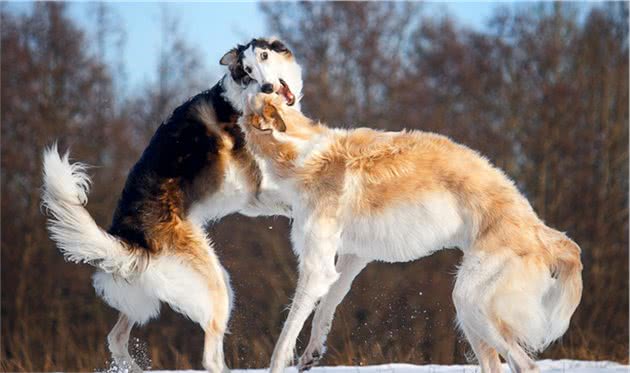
point(221, 296)
point(497, 298)
point(348, 266)
point(118, 341)
point(197, 286)
point(487, 357)
point(472, 296)
point(519, 361)
point(213, 358)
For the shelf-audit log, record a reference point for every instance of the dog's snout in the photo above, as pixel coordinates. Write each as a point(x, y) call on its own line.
point(267, 88)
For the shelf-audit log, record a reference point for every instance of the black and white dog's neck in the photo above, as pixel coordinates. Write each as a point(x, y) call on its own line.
point(233, 93)
point(223, 98)
point(226, 98)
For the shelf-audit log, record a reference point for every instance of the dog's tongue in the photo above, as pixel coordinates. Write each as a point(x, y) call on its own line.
point(288, 95)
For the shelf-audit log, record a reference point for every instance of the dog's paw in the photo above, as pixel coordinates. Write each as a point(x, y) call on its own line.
point(275, 100)
point(252, 119)
point(269, 111)
point(258, 102)
point(125, 364)
point(308, 360)
point(263, 112)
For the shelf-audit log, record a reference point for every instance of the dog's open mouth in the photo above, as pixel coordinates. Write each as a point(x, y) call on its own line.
point(286, 92)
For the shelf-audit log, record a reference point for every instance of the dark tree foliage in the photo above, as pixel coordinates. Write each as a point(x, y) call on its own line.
point(543, 92)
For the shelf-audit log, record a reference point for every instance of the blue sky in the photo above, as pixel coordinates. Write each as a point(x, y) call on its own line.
point(212, 27)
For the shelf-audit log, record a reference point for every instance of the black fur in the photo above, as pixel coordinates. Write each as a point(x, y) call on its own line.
point(276, 45)
point(162, 182)
point(180, 149)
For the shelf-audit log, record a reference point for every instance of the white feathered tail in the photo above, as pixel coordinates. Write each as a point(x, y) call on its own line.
point(70, 225)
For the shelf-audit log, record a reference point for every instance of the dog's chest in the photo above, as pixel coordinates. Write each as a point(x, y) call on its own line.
point(232, 196)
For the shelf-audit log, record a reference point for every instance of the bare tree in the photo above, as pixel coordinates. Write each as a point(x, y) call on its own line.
point(543, 91)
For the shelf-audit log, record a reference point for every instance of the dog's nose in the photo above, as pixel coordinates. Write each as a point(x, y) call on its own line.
point(267, 88)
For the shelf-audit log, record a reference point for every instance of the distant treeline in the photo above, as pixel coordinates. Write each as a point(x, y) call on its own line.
point(542, 91)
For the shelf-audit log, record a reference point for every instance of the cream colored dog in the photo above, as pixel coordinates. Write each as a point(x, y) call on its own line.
point(364, 195)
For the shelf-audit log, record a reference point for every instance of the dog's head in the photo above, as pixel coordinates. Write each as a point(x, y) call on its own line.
point(266, 112)
point(270, 114)
point(265, 65)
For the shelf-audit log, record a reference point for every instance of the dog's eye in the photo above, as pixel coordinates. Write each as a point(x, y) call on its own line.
point(263, 56)
point(248, 70)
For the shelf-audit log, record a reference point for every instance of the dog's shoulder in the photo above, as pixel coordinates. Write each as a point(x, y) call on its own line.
point(191, 136)
point(182, 147)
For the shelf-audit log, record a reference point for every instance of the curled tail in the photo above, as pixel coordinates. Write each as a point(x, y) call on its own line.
point(565, 294)
point(73, 229)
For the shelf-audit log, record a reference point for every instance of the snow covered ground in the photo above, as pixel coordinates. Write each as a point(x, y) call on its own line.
point(546, 366)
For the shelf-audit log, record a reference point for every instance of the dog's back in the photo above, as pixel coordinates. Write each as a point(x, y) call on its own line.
point(399, 196)
point(161, 185)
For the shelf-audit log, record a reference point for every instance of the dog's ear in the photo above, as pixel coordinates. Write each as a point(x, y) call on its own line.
point(278, 46)
point(229, 58)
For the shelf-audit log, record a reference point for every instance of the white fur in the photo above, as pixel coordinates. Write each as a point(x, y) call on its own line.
point(406, 232)
point(125, 285)
point(268, 200)
point(236, 94)
point(348, 266)
point(70, 224)
point(308, 149)
point(491, 285)
point(124, 280)
point(489, 289)
point(235, 195)
point(232, 196)
point(402, 233)
point(274, 68)
point(167, 279)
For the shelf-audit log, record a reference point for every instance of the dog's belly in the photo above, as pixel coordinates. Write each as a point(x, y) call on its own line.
point(167, 279)
point(407, 232)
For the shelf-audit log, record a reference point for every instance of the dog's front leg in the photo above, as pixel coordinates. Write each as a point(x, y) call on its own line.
point(348, 266)
point(317, 246)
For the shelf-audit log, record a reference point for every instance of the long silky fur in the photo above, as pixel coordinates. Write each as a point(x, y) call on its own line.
point(79, 238)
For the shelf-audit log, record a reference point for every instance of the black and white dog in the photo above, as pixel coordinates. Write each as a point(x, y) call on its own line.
point(195, 169)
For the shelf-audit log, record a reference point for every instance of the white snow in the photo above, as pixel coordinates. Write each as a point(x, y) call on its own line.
point(546, 366)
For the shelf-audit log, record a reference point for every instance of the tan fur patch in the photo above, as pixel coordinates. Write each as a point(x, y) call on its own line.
point(265, 143)
point(367, 173)
point(173, 235)
point(389, 169)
